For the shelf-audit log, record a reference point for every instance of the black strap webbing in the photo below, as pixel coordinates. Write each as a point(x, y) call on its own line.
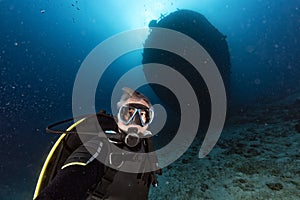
point(100, 191)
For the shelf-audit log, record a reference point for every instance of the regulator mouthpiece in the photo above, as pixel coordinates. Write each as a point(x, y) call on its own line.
point(132, 138)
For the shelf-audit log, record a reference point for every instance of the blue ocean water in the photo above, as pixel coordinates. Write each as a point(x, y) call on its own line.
point(43, 44)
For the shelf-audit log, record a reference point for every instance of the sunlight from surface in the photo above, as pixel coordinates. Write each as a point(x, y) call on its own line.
point(131, 14)
point(151, 10)
point(140, 13)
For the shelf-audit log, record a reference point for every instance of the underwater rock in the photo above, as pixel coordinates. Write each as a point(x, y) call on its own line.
point(197, 27)
point(204, 187)
point(297, 127)
point(223, 144)
point(169, 167)
point(297, 101)
point(252, 152)
point(240, 180)
point(240, 149)
point(247, 168)
point(274, 186)
point(243, 184)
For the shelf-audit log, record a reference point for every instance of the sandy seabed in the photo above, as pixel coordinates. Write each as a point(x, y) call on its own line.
point(256, 157)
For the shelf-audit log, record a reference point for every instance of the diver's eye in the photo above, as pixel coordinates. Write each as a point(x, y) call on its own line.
point(131, 111)
point(143, 116)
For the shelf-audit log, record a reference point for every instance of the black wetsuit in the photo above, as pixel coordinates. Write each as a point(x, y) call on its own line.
point(74, 181)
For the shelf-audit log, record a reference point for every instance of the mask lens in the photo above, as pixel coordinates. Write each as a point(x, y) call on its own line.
point(128, 113)
point(146, 116)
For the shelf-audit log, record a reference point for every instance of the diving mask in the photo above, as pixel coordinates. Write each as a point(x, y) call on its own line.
point(135, 113)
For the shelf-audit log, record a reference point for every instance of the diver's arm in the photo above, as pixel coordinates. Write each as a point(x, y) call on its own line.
point(73, 182)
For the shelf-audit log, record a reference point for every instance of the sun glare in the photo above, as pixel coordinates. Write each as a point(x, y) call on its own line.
point(152, 11)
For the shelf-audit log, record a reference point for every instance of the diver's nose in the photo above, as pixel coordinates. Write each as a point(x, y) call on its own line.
point(137, 120)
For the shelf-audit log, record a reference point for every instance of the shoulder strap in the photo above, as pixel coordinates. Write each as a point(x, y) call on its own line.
point(150, 177)
point(100, 191)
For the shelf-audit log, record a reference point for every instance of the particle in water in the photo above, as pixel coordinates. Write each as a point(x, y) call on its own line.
point(257, 81)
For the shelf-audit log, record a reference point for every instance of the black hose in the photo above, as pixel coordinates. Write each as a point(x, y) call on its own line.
point(49, 129)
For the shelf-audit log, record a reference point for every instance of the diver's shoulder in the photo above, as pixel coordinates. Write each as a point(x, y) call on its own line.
point(89, 151)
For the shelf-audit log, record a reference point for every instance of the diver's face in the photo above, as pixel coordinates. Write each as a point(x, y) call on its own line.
point(130, 112)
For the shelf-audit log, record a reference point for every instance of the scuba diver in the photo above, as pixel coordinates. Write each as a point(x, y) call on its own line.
point(82, 174)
